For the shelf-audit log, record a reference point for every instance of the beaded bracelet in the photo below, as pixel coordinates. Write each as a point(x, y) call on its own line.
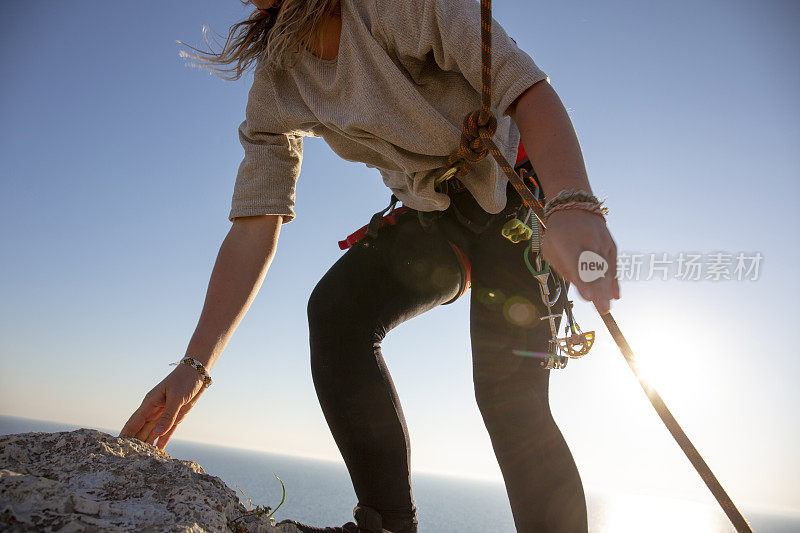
point(197, 365)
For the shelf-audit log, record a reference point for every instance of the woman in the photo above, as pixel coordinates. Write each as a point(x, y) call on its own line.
point(388, 84)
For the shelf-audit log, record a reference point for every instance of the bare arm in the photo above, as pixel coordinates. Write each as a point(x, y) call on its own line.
point(242, 263)
point(551, 143)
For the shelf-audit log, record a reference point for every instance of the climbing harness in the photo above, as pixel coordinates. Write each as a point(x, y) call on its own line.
point(389, 217)
point(378, 220)
point(476, 143)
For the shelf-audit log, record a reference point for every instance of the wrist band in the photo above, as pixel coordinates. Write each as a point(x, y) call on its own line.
point(574, 199)
point(570, 195)
point(595, 209)
point(197, 365)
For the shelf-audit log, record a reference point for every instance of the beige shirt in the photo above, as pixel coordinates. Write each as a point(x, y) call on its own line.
point(406, 74)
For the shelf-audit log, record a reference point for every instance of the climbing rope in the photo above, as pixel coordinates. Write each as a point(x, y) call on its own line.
point(480, 125)
point(476, 143)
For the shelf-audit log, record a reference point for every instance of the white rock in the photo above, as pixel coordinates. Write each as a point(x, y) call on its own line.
point(84, 506)
point(86, 480)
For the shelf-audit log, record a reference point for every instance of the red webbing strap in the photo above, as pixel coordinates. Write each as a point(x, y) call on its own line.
point(677, 432)
point(466, 270)
point(360, 233)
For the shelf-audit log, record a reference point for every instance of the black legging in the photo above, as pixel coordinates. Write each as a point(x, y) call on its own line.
point(411, 268)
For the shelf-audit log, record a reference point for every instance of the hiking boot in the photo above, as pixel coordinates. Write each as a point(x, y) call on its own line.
point(368, 521)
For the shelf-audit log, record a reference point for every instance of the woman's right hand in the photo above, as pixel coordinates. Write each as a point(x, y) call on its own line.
point(568, 234)
point(164, 407)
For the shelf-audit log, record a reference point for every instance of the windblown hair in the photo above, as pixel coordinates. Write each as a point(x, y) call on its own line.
point(276, 37)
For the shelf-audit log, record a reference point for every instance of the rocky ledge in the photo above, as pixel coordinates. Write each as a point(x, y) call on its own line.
point(87, 481)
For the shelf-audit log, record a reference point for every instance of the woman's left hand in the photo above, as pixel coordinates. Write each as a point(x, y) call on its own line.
point(572, 232)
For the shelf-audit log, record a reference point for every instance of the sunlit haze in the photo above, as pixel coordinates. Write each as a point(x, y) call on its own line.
point(117, 164)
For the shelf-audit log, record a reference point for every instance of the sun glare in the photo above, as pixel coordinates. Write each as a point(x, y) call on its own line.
point(629, 513)
point(675, 361)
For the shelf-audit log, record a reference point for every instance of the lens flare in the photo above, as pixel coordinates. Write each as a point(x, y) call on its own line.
point(520, 312)
point(489, 297)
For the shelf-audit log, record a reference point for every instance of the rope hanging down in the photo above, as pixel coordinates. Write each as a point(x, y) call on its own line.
point(479, 126)
point(476, 143)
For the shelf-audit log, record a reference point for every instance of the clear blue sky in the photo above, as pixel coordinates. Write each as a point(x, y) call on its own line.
point(117, 164)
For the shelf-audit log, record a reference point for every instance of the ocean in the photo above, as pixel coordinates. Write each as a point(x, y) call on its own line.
point(319, 493)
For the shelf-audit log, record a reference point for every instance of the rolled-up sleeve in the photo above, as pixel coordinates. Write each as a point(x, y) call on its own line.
point(267, 176)
point(449, 30)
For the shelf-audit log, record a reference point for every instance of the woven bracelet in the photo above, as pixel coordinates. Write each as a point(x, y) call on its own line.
point(574, 199)
point(197, 365)
point(595, 209)
point(570, 195)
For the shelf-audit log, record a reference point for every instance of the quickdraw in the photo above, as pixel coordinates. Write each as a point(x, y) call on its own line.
point(576, 343)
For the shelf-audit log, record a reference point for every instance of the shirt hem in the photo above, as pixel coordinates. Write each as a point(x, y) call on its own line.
point(287, 215)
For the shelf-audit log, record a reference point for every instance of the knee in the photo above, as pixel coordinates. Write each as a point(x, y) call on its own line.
point(511, 401)
point(487, 396)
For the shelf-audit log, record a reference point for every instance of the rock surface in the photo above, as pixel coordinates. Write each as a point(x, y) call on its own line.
point(89, 481)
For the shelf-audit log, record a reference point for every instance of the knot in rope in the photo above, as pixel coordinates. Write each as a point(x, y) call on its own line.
point(477, 127)
point(480, 125)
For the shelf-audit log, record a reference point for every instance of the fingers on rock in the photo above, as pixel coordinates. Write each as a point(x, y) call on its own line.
point(168, 416)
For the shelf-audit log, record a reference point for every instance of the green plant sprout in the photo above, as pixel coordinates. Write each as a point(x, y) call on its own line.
point(259, 511)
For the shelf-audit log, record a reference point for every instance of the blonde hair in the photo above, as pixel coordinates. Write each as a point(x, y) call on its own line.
point(276, 37)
